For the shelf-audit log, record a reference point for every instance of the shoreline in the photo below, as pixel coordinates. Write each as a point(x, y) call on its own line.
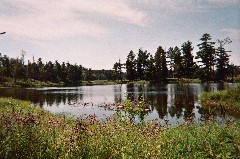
point(39, 84)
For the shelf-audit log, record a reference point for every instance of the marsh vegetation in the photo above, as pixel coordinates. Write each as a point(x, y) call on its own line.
point(30, 132)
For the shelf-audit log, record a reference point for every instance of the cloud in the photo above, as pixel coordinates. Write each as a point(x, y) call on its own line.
point(118, 9)
point(48, 19)
point(42, 28)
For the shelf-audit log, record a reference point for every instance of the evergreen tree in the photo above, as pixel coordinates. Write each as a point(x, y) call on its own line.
point(207, 55)
point(171, 61)
point(176, 65)
point(34, 71)
point(75, 74)
point(63, 73)
point(41, 70)
point(188, 64)
point(141, 63)
point(15, 65)
point(89, 75)
point(17, 69)
point(150, 69)
point(54, 72)
point(49, 72)
point(131, 66)
point(58, 70)
point(234, 71)
point(160, 65)
point(118, 69)
point(222, 60)
point(23, 68)
point(6, 66)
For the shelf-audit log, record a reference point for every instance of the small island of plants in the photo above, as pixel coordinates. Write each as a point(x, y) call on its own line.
point(223, 101)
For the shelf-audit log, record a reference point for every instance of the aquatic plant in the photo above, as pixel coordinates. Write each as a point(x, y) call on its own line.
point(225, 101)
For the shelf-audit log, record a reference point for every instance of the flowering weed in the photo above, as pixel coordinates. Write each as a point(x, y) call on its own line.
point(30, 132)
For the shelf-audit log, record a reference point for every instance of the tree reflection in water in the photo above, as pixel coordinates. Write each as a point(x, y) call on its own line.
point(167, 100)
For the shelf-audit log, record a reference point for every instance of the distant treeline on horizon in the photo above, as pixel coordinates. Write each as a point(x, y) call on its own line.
point(212, 65)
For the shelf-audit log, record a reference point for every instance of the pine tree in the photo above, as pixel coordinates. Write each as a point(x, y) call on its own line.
point(188, 64)
point(131, 66)
point(141, 63)
point(118, 69)
point(150, 69)
point(160, 65)
point(170, 54)
point(176, 65)
point(207, 55)
point(222, 61)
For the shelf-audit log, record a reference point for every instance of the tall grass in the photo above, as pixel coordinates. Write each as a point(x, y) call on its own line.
point(30, 132)
point(228, 100)
point(9, 82)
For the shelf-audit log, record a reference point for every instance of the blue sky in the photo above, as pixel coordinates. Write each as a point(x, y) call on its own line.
point(96, 33)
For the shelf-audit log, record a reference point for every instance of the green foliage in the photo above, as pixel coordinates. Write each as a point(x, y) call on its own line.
point(207, 55)
point(150, 69)
point(9, 82)
point(188, 63)
point(99, 82)
point(49, 72)
point(228, 99)
point(160, 65)
point(30, 132)
point(118, 70)
point(132, 109)
point(181, 63)
point(144, 66)
point(176, 62)
point(222, 61)
point(142, 63)
point(131, 66)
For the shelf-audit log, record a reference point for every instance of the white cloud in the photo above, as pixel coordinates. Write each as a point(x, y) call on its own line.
point(118, 9)
point(47, 19)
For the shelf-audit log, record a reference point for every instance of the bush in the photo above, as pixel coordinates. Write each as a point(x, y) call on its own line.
point(229, 99)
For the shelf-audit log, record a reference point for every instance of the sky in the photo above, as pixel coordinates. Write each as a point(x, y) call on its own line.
point(97, 33)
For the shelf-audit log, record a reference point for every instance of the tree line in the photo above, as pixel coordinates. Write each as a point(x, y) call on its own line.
point(37, 70)
point(210, 64)
point(50, 71)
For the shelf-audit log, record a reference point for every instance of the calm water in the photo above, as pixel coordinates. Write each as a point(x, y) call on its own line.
point(169, 101)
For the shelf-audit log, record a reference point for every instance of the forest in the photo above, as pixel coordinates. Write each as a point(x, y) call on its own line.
point(211, 63)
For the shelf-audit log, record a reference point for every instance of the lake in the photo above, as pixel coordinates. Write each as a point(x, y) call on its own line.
point(174, 102)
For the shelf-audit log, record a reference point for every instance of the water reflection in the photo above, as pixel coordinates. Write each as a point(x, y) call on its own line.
point(170, 101)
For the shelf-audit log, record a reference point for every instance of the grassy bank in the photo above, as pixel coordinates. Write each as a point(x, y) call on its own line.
point(224, 101)
point(30, 132)
point(9, 82)
point(29, 83)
